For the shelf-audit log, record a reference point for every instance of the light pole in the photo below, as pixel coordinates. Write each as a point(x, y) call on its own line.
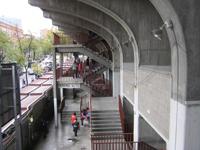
point(1, 138)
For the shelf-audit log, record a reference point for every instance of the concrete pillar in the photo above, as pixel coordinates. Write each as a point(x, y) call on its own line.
point(116, 82)
point(184, 126)
point(61, 64)
point(54, 89)
point(136, 116)
point(61, 94)
point(107, 74)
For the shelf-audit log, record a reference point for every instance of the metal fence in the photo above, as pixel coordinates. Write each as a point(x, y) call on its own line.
point(117, 141)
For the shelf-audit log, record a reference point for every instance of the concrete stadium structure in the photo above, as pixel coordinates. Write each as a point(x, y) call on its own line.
point(159, 78)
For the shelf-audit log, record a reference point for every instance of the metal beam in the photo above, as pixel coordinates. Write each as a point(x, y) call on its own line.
point(1, 139)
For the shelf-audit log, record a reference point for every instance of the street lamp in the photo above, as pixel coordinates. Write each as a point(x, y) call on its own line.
point(157, 33)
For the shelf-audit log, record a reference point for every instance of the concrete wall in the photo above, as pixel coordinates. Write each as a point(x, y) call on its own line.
point(128, 81)
point(142, 18)
point(188, 12)
point(152, 50)
point(154, 99)
point(149, 135)
point(128, 111)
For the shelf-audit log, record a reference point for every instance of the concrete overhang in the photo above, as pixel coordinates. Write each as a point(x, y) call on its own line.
point(108, 23)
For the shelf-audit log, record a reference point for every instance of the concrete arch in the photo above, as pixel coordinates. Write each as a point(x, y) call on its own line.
point(64, 27)
point(58, 16)
point(86, 18)
point(179, 63)
point(166, 12)
point(117, 76)
point(178, 52)
point(82, 25)
point(124, 25)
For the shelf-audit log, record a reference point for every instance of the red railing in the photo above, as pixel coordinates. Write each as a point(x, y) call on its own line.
point(125, 126)
point(63, 72)
point(117, 141)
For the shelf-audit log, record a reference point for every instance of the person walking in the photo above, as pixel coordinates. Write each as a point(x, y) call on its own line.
point(80, 69)
point(76, 127)
point(82, 118)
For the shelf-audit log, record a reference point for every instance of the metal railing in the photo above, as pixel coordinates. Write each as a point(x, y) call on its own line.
point(99, 84)
point(122, 116)
point(63, 72)
point(117, 141)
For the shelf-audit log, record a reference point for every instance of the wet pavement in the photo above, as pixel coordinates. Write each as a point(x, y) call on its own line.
point(63, 138)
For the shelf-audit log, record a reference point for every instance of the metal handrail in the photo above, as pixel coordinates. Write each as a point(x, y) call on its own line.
point(103, 141)
point(122, 116)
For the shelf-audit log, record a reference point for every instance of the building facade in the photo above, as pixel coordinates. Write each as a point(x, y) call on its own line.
point(11, 26)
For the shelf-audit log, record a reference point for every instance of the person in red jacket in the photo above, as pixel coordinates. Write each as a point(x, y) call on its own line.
point(73, 118)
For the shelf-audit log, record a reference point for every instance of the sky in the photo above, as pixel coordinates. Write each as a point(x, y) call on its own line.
point(31, 17)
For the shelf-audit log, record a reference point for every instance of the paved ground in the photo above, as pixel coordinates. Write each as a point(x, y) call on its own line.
point(60, 139)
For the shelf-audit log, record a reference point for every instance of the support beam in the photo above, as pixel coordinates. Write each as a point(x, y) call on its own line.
point(136, 116)
point(61, 64)
point(55, 89)
point(61, 94)
point(116, 82)
point(17, 122)
point(1, 139)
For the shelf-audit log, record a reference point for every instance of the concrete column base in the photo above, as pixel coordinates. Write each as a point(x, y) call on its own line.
point(184, 126)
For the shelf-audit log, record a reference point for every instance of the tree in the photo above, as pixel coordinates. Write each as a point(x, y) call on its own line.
point(24, 52)
point(5, 44)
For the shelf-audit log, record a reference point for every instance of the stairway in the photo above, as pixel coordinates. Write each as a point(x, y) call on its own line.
point(100, 69)
point(71, 106)
point(106, 121)
point(86, 51)
point(66, 116)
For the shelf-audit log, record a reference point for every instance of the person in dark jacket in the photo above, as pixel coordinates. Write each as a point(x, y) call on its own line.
point(76, 126)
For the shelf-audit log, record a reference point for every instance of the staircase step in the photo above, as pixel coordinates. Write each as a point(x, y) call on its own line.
point(105, 121)
point(107, 129)
point(104, 132)
point(106, 125)
point(104, 111)
point(105, 115)
point(105, 118)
